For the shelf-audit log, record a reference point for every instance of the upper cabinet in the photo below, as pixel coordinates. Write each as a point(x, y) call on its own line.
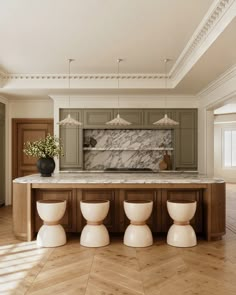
point(134, 116)
point(153, 115)
point(97, 118)
point(72, 140)
point(187, 118)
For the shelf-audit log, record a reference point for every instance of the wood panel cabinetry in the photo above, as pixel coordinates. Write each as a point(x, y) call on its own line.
point(69, 219)
point(209, 219)
point(112, 219)
point(152, 195)
point(175, 195)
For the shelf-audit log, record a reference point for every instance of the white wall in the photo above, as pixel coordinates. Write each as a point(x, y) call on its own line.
point(220, 123)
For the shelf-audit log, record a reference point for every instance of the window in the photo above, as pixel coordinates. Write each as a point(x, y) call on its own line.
point(229, 150)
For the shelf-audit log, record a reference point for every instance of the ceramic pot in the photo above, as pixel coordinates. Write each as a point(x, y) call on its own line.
point(46, 166)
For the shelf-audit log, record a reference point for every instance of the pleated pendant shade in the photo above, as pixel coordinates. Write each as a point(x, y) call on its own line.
point(69, 121)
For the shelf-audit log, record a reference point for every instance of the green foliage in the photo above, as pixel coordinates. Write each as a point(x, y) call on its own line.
point(44, 148)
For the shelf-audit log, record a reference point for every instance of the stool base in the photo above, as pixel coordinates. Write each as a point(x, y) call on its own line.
point(51, 236)
point(181, 236)
point(138, 236)
point(94, 236)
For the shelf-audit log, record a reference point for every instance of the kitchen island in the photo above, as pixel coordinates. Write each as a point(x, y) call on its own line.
point(209, 220)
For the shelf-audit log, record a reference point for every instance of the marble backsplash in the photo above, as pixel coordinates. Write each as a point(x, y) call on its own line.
point(125, 148)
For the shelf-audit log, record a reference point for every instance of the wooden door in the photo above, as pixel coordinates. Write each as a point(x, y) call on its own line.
point(24, 130)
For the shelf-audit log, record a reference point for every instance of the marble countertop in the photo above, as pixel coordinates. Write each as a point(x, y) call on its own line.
point(119, 178)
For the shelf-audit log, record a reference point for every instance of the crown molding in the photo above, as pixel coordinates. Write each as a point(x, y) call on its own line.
point(218, 17)
point(81, 76)
point(219, 91)
point(221, 80)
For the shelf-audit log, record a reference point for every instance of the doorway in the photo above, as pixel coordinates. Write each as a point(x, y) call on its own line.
point(2, 154)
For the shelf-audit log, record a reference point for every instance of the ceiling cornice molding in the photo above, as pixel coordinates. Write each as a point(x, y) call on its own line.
point(85, 81)
point(218, 17)
point(220, 91)
point(80, 76)
point(221, 80)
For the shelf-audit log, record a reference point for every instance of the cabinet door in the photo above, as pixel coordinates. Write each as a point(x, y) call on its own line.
point(111, 221)
point(94, 118)
point(68, 221)
point(155, 217)
point(153, 115)
point(187, 118)
point(72, 141)
point(193, 195)
point(134, 116)
point(186, 149)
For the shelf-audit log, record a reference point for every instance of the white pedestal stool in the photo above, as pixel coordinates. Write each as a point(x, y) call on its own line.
point(138, 234)
point(51, 233)
point(94, 234)
point(181, 233)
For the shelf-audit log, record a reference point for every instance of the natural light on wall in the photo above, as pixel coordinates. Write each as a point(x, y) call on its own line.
point(229, 148)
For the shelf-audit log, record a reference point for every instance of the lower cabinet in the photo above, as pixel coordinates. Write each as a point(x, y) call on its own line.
point(172, 195)
point(69, 219)
point(112, 219)
point(152, 195)
point(116, 220)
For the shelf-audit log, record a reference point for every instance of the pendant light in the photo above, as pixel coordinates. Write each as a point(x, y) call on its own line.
point(118, 121)
point(166, 121)
point(69, 121)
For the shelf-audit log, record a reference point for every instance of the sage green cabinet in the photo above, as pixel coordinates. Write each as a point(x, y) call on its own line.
point(97, 118)
point(187, 118)
point(186, 140)
point(153, 115)
point(134, 116)
point(72, 140)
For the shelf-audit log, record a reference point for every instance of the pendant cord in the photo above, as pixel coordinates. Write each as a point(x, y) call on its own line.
point(118, 82)
point(70, 60)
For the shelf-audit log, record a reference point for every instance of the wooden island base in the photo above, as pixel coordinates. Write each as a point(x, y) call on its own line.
point(209, 220)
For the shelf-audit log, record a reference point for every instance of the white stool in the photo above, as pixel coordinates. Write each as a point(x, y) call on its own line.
point(51, 233)
point(94, 234)
point(138, 234)
point(181, 233)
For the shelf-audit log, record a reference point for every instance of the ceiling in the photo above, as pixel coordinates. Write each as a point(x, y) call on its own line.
point(38, 37)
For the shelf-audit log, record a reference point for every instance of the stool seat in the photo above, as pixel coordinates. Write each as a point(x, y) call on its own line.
point(181, 233)
point(51, 233)
point(94, 234)
point(138, 234)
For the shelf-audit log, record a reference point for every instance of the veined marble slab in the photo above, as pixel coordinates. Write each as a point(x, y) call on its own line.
point(126, 148)
point(119, 178)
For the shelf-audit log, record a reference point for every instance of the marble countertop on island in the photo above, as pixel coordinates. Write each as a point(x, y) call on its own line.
point(119, 178)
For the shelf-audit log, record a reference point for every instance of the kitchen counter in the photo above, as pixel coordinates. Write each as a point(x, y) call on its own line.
point(119, 178)
point(209, 220)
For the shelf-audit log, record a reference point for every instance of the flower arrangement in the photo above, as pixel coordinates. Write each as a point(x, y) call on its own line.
point(48, 147)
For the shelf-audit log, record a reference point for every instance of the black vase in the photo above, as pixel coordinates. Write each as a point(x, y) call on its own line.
point(46, 166)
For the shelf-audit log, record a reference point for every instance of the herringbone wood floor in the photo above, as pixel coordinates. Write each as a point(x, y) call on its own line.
point(209, 268)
